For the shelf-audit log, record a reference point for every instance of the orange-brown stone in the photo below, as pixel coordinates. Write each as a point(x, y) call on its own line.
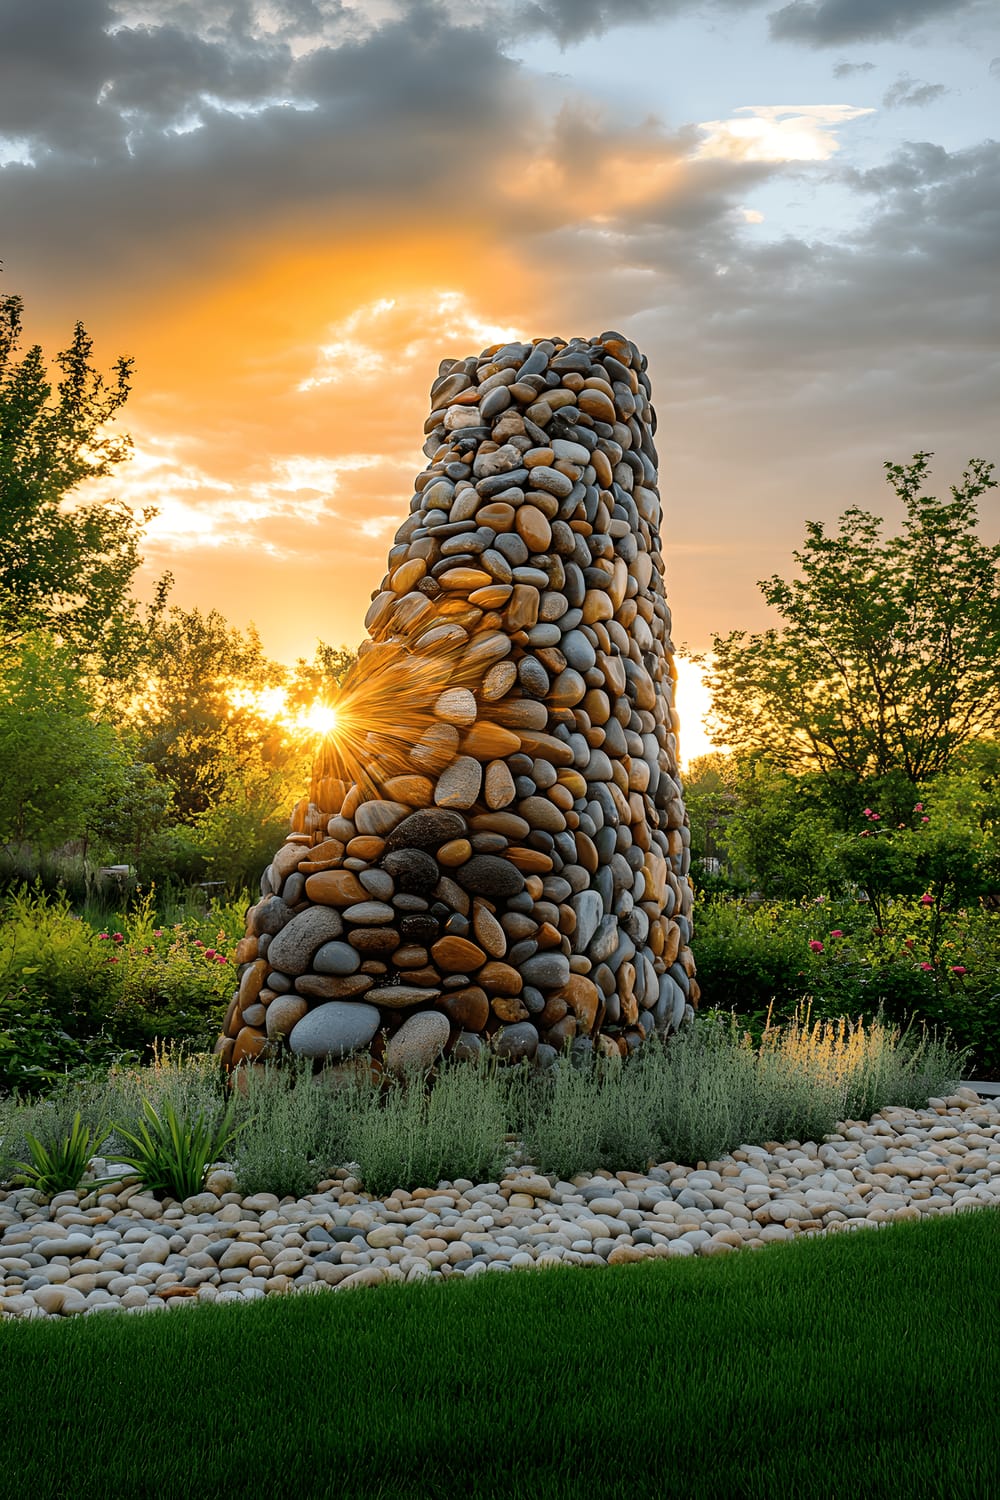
point(530, 861)
point(486, 741)
point(335, 888)
point(456, 955)
point(468, 1008)
point(509, 1008)
point(583, 998)
point(500, 979)
point(521, 713)
point(252, 982)
point(416, 791)
point(250, 1043)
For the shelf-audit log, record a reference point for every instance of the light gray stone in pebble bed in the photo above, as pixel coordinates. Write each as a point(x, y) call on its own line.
point(64, 1259)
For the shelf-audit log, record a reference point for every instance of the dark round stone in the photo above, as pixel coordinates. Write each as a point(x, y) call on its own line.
point(413, 870)
point(419, 925)
point(428, 828)
point(270, 915)
point(486, 875)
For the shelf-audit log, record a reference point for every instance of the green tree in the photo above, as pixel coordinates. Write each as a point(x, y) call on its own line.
point(778, 835)
point(889, 656)
point(130, 818)
point(197, 714)
point(58, 763)
point(320, 679)
point(62, 567)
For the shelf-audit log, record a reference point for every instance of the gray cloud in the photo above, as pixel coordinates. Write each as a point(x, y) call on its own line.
point(907, 91)
point(832, 23)
point(74, 81)
point(573, 20)
point(849, 69)
point(995, 67)
point(408, 117)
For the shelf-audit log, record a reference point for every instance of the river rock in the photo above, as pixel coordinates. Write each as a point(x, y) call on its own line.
point(291, 949)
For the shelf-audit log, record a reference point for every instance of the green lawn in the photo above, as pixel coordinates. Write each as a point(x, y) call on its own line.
point(863, 1365)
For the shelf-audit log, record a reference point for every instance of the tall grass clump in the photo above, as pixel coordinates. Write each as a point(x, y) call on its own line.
point(294, 1130)
point(414, 1136)
point(184, 1084)
point(710, 1090)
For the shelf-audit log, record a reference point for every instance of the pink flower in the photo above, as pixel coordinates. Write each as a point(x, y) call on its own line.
point(836, 932)
point(198, 943)
point(875, 817)
point(158, 932)
point(209, 952)
point(925, 820)
point(117, 937)
point(816, 947)
point(908, 943)
point(927, 899)
point(102, 937)
point(112, 960)
point(918, 807)
point(958, 969)
point(927, 967)
point(220, 958)
point(867, 812)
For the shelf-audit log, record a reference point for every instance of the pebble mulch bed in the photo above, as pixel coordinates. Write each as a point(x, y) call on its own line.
point(122, 1249)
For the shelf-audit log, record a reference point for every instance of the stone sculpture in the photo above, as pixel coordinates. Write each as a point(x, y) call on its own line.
point(495, 850)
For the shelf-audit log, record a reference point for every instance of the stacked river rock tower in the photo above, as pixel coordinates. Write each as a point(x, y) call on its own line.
point(495, 851)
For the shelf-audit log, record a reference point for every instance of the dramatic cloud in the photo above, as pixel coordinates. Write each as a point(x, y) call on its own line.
point(572, 20)
point(290, 211)
point(907, 91)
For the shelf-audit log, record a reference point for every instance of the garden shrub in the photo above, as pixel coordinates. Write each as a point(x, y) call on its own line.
point(69, 995)
point(938, 968)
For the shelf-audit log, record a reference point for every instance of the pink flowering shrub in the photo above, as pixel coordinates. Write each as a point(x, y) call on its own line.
point(942, 969)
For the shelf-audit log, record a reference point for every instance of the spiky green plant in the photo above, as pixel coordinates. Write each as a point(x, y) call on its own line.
point(173, 1153)
point(58, 1163)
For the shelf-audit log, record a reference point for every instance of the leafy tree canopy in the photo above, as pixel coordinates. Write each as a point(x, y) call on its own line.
point(58, 764)
point(65, 565)
point(889, 655)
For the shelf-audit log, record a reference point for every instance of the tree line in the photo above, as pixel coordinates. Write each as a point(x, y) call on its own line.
point(130, 730)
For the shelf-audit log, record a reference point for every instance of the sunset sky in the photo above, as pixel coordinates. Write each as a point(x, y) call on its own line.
point(289, 212)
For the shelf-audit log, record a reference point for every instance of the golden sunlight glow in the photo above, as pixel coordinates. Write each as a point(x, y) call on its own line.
point(319, 717)
point(693, 701)
point(311, 721)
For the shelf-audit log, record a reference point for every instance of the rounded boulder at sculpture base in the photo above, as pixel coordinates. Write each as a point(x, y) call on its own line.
point(334, 1029)
point(493, 854)
point(418, 1043)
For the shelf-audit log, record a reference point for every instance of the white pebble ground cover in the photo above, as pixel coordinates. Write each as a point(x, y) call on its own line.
point(87, 1253)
